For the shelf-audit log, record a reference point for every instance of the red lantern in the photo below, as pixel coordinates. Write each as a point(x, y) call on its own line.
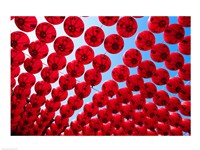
point(124, 95)
point(108, 20)
point(138, 101)
point(114, 43)
point(114, 106)
point(26, 80)
point(140, 131)
point(110, 87)
point(163, 128)
point(161, 98)
point(132, 58)
point(175, 84)
point(184, 73)
point(58, 94)
point(100, 99)
point(73, 26)
point(45, 32)
point(38, 50)
point(185, 108)
point(104, 115)
point(95, 124)
point(32, 65)
point(151, 133)
point(26, 23)
point(75, 68)
point(146, 69)
point(13, 82)
point(82, 89)
point(15, 70)
point(83, 118)
point(145, 40)
point(128, 127)
point(173, 104)
point(42, 88)
point(61, 122)
point(135, 82)
point(159, 52)
point(90, 109)
point(127, 111)
point(158, 24)
point(138, 16)
point(53, 130)
point(17, 103)
point(185, 93)
point(31, 112)
point(117, 120)
point(185, 45)
point(118, 132)
point(75, 127)
point(17, 57)
point(84, 54)
point(138, 118)
point(75, 102)
point(68, 132)
point(107, 129)
point(37, 100)
point(55, 20)
point(94, 36)
point(63, 45)
point(173, 34)
point(175, 131)
point(127, 26)
point(120, 73)
point(45, 118)
point(56, 62)
point(162, 115)
point(149, 90)
point(66, 111)
point(87, 130)
point(150, 109)
point(184, 21)
point(175, 119)
point(21, 93)
point(160, 76)
point(19, 40)
point(150, 123)
point(185, 125)
point(49, 75)
point(92, 77)
point(174, 61)
point(101, 63)
point(67, 82)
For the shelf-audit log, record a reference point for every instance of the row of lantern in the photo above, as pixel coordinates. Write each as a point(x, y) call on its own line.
point(101, 63)
point(82, 90)
point(96, 79)
point(22, 84)
point(94, 36)
point(150, 112)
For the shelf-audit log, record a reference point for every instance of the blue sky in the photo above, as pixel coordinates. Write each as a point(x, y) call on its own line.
point(115, 58)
